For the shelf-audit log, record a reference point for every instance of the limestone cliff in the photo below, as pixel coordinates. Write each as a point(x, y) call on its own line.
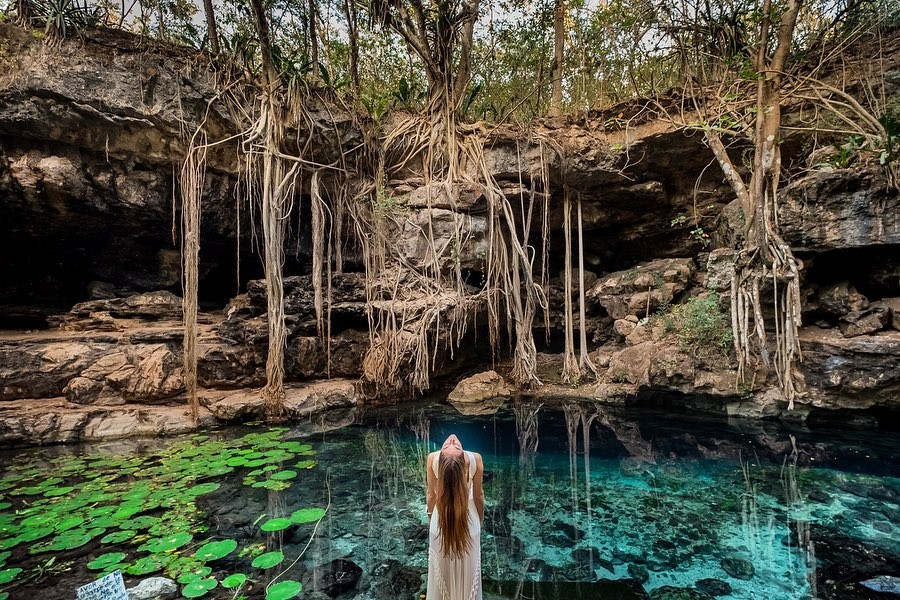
point(92, 135)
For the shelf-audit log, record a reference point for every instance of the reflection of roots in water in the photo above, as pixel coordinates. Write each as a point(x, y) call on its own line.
point(795, 505)
point(527, 433)
point(392, 465)
point(762, 539)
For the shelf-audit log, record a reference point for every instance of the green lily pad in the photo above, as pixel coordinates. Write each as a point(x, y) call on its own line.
point(69, 540)
point(117, 537)
point(193, 574)
point(8, 543)
point(305, 464)
point(145, 565)
point(3, 556)
point(105, 561)
point(199, 588)
point(284, 590)
point(69, 523)
point(271, 484)
point(169, 542)
point(232, 581)
point(61, 491)
point(4, 505)
point(307, 515)
point(283, 475)
point(276, 524)
point(38, 520)
point(35, 533)
point(8, 575)
point(268, 560)
point(203, 488)
point(216, 550)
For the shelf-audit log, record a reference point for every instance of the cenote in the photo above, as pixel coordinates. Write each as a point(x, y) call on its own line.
point(657, 508)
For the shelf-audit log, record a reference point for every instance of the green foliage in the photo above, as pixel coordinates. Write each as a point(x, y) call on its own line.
point(700, 324)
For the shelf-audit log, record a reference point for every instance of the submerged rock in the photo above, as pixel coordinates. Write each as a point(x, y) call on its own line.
point(336, 576)
point(639, 573)
point(886, 584)
point(154, 588)
point(392, 580)
point(739, 568)
point(714, 587)
point(668, 592)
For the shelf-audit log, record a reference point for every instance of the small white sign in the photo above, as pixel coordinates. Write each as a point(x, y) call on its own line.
point(111, 587)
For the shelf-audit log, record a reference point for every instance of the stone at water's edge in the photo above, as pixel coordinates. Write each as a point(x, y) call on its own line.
point(154, 588)
point(300, 401)
point(479, 389)
point(55, 421)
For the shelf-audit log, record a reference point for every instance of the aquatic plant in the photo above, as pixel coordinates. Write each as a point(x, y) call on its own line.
point(147, 504)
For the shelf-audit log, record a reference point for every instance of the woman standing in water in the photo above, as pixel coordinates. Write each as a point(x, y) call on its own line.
point(455, 503)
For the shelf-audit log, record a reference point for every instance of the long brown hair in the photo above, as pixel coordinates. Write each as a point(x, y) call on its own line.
point(452, 504)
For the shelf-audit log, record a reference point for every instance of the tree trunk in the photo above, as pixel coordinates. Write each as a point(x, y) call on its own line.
point(313, 41)
point(559, 45)
point(353, 34)
point(211, 29)
point(24, 13)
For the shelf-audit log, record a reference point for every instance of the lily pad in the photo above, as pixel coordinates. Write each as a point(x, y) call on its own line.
point(284, 590)
point(35, 533)
point(305, 464)
point(169, 542)
point(283, 475)
point(191, 575)
point(276, 524)
point(105, 561)
point(307, 515)
point(216, 550)
point(203, 488)
point(232, 581)
point(69, 523)
point(8, 575)
point(268, 560)
point(145, 565)
point(199, 588)
point(117, 537)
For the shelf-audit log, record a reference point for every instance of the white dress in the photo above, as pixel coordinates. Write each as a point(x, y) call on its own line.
point(455, 578)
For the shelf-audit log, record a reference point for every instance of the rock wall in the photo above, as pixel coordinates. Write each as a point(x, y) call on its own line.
point(92, 134)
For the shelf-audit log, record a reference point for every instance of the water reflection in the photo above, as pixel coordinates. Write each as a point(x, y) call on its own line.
point(584, 501)
point(588, 494)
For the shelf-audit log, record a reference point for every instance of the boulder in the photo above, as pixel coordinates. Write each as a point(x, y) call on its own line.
point(867, 321)
point(839, 299)
point(154, 588)
point(480, 388)
point(894, 305)
point(643, 288)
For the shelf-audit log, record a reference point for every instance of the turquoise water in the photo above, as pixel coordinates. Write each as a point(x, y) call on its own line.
point(658, 507)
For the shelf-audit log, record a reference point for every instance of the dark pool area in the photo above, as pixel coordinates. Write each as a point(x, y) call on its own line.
point(657, 507)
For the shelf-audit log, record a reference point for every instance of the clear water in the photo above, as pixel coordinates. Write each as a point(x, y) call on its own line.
point(744, 510)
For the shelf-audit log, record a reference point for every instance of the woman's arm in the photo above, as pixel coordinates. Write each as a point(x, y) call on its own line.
point(477, 489)
point(430, 487)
